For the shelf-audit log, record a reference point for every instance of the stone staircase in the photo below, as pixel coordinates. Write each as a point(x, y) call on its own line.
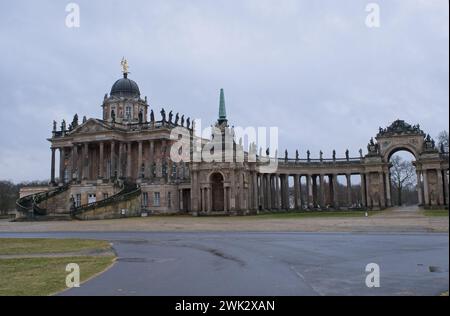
point(126, 203)
point(47, 205)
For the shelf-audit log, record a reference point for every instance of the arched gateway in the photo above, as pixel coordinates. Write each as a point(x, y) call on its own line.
point(431, 165)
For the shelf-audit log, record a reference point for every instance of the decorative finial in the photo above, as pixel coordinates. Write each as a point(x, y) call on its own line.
point(124, 64)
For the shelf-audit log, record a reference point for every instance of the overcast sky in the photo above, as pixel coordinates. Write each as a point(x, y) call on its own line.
point(312, 68)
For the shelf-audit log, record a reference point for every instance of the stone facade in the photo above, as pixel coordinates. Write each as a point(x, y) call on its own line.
point(130, 145)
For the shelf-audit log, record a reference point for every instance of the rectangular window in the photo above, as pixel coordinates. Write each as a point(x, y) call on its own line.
point(169, 199)
point(92, 198)
point(105, 196)
point(156, 199)
point(145, 199)
point(78, 200)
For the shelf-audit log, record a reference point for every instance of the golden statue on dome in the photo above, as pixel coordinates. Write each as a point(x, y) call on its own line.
point(124, 64)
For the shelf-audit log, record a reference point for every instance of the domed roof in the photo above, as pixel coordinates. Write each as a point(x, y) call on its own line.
point(125, 87)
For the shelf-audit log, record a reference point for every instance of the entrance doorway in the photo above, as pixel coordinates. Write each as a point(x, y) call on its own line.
point(218, 202)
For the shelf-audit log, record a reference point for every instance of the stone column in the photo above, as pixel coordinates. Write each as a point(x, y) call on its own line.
point(440, 185)
point(309, 191)
point(101, 170)
point(80, 163)
point(113, 160)
point(52, 167)
point(269, 191)
point(314, 189)
point(261, 191)
point(242, 205)
point(300, 191)
point(382, 193)
point(151, 158)
point(129, 160)
point(419, 187)
point(225, 199)
point(425, 188)
point(62, 155)
point(363, 190)
point(330, 190)
point(195, 197)
point(446, 188)
point(297, 192)
point(388, 189)
point(255, 191)
point(276, 184)
point(139, 168)
point(86, 163)
point(349, 190)
point(322, 191)
point(69, 165)
point(201, 203)
point(120, 161)
point(369, 200)
point(286, 192)
point(209, 199)
point(74, 163)
point(335, 191)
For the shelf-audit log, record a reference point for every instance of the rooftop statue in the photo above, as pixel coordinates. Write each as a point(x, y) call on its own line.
point(308, 155)
point(75, 121)
point(170, 116)
point(152, 116)
point(188, 123)
point(163, 115)
point(177, 118)
point(182, 120)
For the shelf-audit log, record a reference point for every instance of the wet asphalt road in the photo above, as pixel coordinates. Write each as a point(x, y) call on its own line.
point(207, 264)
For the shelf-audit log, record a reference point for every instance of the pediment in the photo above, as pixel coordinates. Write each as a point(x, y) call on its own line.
point(90, 126)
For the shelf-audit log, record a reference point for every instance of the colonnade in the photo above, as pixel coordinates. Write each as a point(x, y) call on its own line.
point(275, 193)
point(112, 159)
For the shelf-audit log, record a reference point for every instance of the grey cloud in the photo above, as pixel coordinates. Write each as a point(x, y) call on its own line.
point(311, 68)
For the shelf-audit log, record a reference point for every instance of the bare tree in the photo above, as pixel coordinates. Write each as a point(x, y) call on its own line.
point(403, 176)
point(443, 140)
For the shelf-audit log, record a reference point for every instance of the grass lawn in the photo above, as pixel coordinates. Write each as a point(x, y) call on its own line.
point(435, 212)
point(313, 214)
point(46, 275)
point(15, 246)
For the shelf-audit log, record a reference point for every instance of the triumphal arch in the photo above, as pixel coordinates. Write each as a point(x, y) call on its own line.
point(122, 165)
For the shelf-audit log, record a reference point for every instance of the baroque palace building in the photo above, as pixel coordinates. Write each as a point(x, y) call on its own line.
point(121, 165)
